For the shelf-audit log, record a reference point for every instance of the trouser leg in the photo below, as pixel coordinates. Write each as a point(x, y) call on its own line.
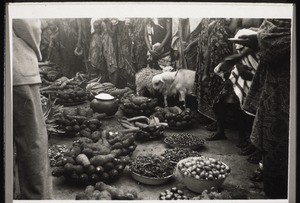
point(220, 111)
point(31, 141)
point(275, 184)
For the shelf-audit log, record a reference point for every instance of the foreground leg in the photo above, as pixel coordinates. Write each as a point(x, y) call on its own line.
point(31, 142)
point(220, 110)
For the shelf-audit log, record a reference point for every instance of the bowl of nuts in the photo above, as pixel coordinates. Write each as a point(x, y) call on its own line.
point(151, 169)
point(202, 173)
point(184, 140)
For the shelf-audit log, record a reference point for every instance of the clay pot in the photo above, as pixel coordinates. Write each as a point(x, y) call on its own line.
point(105, 103)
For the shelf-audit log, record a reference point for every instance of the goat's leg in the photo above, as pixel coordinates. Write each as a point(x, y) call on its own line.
point(165, 100)
point(138, 90)
point(182, 98)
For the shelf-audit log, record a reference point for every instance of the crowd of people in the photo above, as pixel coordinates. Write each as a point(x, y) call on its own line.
point(242, 71)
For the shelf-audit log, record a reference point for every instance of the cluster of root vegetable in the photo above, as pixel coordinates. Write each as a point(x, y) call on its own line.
point(137, 106)
point(102, 191)
point(100, 159)
point(79, 122)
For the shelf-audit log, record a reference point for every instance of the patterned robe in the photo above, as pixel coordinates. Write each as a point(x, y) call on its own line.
point(271, 85)
point(213, 46)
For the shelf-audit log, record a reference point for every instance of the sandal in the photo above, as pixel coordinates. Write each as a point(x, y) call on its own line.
point(248, 150)
point(212, 127)
point(255, 158)
point(257, 175)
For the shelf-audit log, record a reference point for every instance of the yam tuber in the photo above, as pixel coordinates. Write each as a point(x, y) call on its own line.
point(99, 160)
point(83, 160)
point(117, 145)
point(100, 146)
point(96, 195)
point(115, 192)
point(105, 195)
point(83, 140)
point(75, 151)
point(81, 196)
point(88, 152)
point(89, 190)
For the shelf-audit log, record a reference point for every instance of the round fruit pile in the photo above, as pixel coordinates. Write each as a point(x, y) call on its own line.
point(173, 194)
point(138, 106)
point(203, 168)
point(181, 120)
point(177, 154)
point(71, 96)
point(184, 140)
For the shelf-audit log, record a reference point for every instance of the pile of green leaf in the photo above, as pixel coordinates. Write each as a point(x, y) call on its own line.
point(152, 166)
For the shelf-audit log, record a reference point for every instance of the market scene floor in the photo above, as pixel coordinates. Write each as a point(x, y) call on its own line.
point(237, 183)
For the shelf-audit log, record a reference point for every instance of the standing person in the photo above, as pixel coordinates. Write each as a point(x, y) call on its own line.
point(102, 55)
point(213, 46)
point(158, 38)
point(139, 47)
point(180, 35)
point(122, 43)
point(242, 67)
point(68, 40)
point(30, 135)
point(271, 124)
point(83, 42)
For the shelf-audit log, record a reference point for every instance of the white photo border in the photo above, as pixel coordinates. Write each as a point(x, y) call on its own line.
point(144, 9)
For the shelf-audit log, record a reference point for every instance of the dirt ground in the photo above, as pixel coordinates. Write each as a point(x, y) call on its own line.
point(237, 182)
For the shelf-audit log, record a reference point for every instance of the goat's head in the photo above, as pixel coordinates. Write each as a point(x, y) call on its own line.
point(157, 82)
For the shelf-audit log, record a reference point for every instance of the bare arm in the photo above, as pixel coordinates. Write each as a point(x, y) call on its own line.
point(149, 46)
point(79, 39)
point(110, 28)
point(147, 39)
point(167, 36)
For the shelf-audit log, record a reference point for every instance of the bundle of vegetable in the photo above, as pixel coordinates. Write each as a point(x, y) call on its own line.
point(152, 166)
point(56, 152)
point(102, 191)
point(102, 158)
point(81, 122)
point(97, 88)
point(177, 154)
point(138, 106)
point(184, 140)
point(204, 168)
point(51, 88)
point(51, 112)
point(148, 128)
point(180, 120)
point(173, 194)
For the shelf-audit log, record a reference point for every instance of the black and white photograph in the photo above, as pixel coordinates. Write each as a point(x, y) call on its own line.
point(150, 102)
